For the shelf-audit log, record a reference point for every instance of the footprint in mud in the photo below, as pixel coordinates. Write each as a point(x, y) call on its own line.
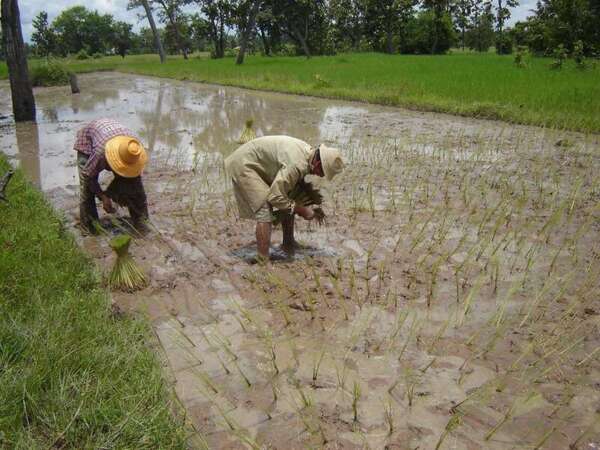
point(247, 253)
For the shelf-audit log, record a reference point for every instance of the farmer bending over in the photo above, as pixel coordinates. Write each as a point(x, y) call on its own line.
point(265, 170)
point(105, 144)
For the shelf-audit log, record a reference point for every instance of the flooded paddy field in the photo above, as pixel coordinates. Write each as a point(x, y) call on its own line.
point(451, 300)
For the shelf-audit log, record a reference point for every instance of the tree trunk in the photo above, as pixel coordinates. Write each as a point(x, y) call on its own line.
point(16, 60)
point(266, 43)
point(389, 43)
point(178, 39)
point(248, 31)
point(221, 51)
point(500, 24)
point(157, 40)
point(302, 41)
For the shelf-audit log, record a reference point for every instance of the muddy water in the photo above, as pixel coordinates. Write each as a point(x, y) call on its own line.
point(349, 345)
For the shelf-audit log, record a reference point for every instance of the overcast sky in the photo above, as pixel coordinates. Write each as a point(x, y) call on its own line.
point(118, 8)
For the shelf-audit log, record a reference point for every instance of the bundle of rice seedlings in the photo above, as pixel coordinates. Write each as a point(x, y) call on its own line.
point(248, 134)
point(125, 274)
point(305, 194)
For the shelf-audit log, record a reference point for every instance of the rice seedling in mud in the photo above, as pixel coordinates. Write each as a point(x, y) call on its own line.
point(248, 134)
point(456, 273)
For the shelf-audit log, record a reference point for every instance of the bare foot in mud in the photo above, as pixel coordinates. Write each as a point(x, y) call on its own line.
point(289, 249)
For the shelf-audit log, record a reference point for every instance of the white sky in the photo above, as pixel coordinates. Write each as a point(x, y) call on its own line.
point(118, 8)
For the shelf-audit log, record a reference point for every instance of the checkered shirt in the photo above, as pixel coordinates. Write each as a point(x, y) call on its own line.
point(91, 140)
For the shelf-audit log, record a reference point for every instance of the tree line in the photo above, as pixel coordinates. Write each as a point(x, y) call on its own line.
point(317, 27)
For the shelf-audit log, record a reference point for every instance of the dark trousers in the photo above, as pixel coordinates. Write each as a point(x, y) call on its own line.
point(126, 192)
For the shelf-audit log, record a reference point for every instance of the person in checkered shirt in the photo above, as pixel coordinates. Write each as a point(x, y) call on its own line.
point(105, 144)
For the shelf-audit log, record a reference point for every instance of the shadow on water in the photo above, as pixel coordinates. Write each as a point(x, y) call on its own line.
point(28, 144)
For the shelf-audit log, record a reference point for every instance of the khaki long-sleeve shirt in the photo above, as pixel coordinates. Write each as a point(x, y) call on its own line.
point(266, 169)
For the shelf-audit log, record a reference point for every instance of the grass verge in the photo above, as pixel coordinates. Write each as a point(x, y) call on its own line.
point(478, 85)
point(71, 375)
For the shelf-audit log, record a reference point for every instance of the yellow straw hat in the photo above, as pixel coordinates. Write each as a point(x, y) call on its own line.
point(125, 156)
point(331, 160)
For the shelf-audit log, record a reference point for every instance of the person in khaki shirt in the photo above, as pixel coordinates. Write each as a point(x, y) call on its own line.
point(265, 170)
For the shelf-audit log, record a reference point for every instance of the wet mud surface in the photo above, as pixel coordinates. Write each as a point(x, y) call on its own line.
point(451, 301)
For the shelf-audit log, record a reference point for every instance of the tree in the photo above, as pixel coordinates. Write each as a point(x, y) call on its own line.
point(43, 36)
point(439, 24)
point(77, 29)
point(12, 39)
point(123, 37)
point(218, 15)
point(178, 36)
point(268, 29)
point(480, 35)
point(502, 15)
point(386, 20)
point(462, 10)
point(199, 32)
point(348, 18)
point(303, 21)
point(564, 22)
point(171, 14)
point(155, 32)
point(246, 14)
point(428, 33)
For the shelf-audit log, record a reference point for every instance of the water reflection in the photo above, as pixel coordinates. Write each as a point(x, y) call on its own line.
point(28, 144)
point(178, 122)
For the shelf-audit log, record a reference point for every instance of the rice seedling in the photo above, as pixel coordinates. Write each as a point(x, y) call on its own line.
point(452, 424)
point(410, 393)
point(507, 416)
point(307, 401)
point(248, 133)
point(388, 413)
point(356, 393)
point(468, 300)
point(317, 366)
point(125, 274)
point(411, 332)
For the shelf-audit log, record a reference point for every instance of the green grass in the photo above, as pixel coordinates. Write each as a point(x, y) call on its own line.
point(71, 375)
point(470, 84)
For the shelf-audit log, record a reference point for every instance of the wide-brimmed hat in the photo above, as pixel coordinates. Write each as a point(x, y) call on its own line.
point(125, 156)
point(331, 160)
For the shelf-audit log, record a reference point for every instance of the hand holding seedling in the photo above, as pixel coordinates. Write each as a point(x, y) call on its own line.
point(107, 204)
point(305, 212)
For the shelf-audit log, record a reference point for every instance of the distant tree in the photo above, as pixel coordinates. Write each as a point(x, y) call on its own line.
point(441, 37)
point(566, 22)
point(268, 29)
point(155, 32)
point(428, 33)
point(178, 36)
point(385, 20)
point(171, 14)
point(218, 15)
point(123, 37)
point(304, 22)
point(12, 40)
point(43, 36)
point(245, 15)
point(348, 19)
point(199, 32)
point(480, 35)
point(461, 11)
point(502, 9)
point(78, 28)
